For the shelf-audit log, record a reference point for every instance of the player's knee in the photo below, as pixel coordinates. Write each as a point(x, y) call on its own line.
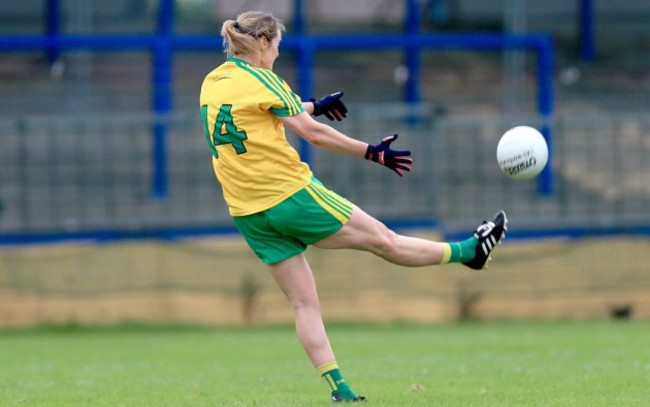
point(305, 303)
point(386, 243)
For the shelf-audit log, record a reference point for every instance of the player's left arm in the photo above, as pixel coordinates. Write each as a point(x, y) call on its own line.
point(323, 136)
point(330, 139)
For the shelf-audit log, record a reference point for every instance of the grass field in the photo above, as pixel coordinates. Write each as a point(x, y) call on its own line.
point(602, 363)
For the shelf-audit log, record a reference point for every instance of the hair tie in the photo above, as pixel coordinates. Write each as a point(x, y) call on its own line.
point(237, 25)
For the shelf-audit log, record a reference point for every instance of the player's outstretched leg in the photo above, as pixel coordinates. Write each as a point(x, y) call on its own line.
point(488, 235)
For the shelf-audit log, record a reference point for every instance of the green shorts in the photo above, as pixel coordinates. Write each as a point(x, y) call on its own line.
point(309, 215)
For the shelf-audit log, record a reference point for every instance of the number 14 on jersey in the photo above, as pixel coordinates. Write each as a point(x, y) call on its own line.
point(224, 131)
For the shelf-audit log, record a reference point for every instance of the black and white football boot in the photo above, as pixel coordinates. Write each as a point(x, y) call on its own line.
point(338, 399)
point(488, 234)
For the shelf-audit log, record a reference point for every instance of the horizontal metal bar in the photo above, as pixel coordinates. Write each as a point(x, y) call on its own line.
point(336, 41)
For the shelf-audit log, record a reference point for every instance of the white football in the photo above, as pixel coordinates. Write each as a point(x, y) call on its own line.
point(522, 152)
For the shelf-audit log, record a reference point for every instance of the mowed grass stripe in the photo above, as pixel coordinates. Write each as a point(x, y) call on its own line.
point(479, 364)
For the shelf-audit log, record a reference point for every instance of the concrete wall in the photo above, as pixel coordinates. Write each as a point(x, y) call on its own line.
point(220, 282)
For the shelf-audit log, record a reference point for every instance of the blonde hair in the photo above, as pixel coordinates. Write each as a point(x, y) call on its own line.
point(240, 36)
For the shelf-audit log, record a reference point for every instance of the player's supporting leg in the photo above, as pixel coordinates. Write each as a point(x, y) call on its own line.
point(295, 278)
point(363, 232)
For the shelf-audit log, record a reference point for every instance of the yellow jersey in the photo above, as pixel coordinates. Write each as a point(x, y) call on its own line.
point(252, 159)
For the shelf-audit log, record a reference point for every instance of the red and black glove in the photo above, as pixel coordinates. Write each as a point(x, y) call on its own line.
point(331, 106)
point(396, 160)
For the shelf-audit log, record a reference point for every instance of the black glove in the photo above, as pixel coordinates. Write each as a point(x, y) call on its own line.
point(381, 153)
point(331, 106)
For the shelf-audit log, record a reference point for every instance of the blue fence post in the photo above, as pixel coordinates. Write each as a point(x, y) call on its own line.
point(412, 53)
point(305, 61)
point(162, 95)
point(306, 85)
point(52, 28)
point(298, 17)
point(545, 61)
point(586, 30)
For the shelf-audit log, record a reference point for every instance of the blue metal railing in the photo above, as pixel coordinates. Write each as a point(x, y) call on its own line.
point(541, 44)
point(164, 42)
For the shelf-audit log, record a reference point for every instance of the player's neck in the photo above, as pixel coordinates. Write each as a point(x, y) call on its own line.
point(254, 60)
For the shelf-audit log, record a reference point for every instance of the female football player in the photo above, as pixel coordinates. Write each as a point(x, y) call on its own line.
point(276, 202)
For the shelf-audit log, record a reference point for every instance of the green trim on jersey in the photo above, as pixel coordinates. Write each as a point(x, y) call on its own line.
point(281, 112)
point(274, 78)
point(273, 83)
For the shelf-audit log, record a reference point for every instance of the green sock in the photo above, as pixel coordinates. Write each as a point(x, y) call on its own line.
point(332, 375)
point(460, 252)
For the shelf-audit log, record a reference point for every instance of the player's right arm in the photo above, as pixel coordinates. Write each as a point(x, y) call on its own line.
point(331, 106)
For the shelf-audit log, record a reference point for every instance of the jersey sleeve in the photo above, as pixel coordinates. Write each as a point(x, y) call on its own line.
point(283, 102)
